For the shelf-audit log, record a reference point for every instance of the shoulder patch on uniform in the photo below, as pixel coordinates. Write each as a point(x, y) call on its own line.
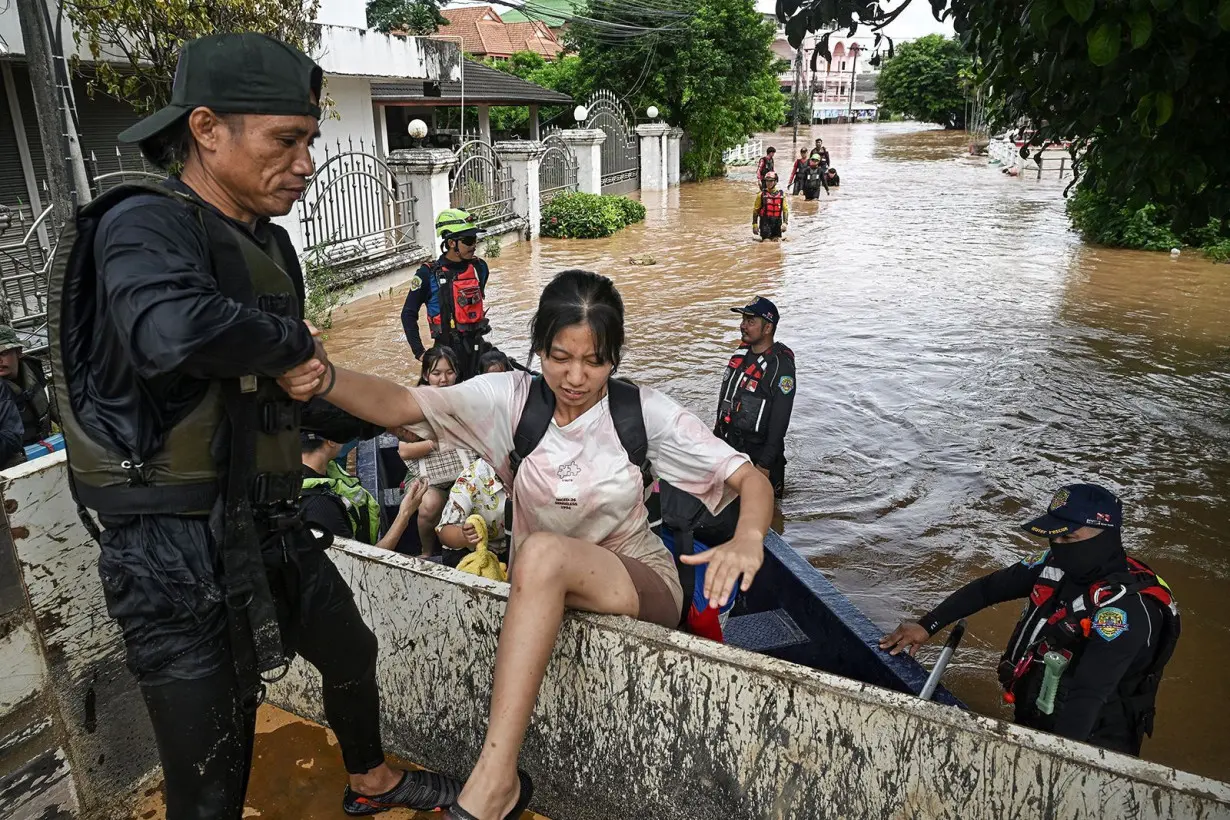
point(416, 282)
point(786, 383)
point(1036, 558)
point(1110, 622)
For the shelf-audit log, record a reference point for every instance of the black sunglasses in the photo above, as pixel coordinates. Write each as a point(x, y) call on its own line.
point(468, 240)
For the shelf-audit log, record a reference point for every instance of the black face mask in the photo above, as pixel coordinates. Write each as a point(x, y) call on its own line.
point(1086, 561)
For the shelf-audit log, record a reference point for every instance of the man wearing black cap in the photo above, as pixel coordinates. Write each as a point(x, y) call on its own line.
point(175, 310)
point(758, 393)
point(1086, 657)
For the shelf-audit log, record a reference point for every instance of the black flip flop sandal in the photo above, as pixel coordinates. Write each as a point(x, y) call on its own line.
point(456, 812)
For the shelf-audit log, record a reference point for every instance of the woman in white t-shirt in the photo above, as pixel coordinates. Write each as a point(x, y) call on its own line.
point(581, 536)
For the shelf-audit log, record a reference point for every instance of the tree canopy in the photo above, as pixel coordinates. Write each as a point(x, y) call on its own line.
point(711, 71)
point(148, 35)
point(418, 17)
point(926, 80)
point(564, 74)
point(1140, 86)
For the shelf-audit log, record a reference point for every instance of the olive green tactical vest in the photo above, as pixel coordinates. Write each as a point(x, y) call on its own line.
point(181, 476)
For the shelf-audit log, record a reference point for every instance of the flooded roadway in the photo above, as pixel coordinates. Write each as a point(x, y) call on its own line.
point(960, 355)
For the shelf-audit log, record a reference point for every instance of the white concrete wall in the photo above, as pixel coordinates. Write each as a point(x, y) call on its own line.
point(90, 695)
point(634, 715)
point(342, 13)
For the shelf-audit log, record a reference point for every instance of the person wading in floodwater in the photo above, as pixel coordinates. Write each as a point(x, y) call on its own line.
point(771, 213)
point(765, 166)
point(174, 310)
point(796, 173)
point(453, 288)
point(1099, 626)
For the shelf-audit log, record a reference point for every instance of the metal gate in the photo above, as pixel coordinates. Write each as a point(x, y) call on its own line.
point(25, 263)
point(354, 209)
point(557, 172)
point(481, 185)
point(621, 152)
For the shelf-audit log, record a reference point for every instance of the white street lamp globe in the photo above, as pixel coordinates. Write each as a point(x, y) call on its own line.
point(652, 111)
point(417, 129)
point(580, 113)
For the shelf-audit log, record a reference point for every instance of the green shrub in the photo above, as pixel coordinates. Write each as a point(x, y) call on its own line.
point(582, 216)
point(327, 288)
point(633, 211)
point(1219, 252)
point(1100, 219)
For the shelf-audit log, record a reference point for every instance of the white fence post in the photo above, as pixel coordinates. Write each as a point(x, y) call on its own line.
point(586, 145)
point(426, 170)
point(522, 159)
point(653, 155)
point(673, 139)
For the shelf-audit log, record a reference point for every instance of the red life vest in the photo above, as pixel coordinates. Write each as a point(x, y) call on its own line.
point(460, 296)
point(1070, 623)
point(771, 204)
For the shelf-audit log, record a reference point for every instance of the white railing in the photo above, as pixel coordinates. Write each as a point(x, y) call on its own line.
point(744, 154)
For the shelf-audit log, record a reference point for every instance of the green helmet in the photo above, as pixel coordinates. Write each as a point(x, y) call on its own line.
point(452, 221)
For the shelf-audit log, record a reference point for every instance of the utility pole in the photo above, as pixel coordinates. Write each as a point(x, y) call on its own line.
point(854, 49)
point(798, 81)
point(48, 105)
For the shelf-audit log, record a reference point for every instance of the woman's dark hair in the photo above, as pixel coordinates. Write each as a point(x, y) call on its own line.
point(577, 297)
point(490, 359)
point(432, 357)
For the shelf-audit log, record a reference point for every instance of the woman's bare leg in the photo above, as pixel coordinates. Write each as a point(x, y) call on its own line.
point(550, 572)
point(430, 510)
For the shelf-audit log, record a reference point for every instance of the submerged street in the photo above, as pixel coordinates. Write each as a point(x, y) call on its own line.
point(960, 355)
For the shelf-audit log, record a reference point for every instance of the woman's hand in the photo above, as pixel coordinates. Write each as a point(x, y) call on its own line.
point(741, 555)
point(415, 491)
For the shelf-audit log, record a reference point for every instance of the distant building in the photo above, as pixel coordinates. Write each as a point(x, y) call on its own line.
point(484, 33)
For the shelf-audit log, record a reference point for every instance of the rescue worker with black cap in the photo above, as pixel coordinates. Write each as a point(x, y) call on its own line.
point(26, 381)
point(175, 309)
point(758, 393)
point(453, 288)
point(1098, 627)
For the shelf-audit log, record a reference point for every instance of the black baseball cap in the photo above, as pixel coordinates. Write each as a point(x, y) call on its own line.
point(1076, 506)
point(236, 74)
point(761, 307)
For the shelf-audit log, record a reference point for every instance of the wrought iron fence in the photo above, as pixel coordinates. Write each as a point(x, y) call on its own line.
point(112, 171)
point(355, 209)
point(621, 152)
point(557, 172)
point(25, 261)
point(481, 184)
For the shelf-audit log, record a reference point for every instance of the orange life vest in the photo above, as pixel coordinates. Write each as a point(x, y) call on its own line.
point(771, 204)
point(461, 298)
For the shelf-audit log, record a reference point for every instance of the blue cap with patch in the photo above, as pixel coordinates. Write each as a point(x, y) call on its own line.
point(1076, 506)
point(761, 307)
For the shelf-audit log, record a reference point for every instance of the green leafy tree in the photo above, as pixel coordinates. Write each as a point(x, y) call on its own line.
point(562, 74)
point(1140, 86)
point(147, 35)
point(926, 80)
point(710, 70)
point(418, 17)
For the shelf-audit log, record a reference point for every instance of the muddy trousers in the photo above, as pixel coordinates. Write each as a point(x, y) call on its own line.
point(205, 737)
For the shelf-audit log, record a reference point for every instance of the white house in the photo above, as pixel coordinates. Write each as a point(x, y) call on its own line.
point(351, 55)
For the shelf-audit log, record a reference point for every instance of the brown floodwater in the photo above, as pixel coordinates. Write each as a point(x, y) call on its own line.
point(960, 355)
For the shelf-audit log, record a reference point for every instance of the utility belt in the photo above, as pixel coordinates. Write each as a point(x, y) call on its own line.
point(746, 418)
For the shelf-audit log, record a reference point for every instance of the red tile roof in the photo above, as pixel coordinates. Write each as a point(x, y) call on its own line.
point(484, 34)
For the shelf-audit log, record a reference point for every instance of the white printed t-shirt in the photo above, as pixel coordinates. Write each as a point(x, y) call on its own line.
point(578, 482)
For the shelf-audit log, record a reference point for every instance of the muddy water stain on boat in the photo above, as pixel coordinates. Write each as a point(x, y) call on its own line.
point(297, 774)
point(960, 354)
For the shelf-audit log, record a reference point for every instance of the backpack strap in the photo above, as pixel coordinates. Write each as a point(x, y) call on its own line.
point(629, 418)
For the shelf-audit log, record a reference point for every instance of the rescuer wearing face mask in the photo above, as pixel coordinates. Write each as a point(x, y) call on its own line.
point(1086, 657)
